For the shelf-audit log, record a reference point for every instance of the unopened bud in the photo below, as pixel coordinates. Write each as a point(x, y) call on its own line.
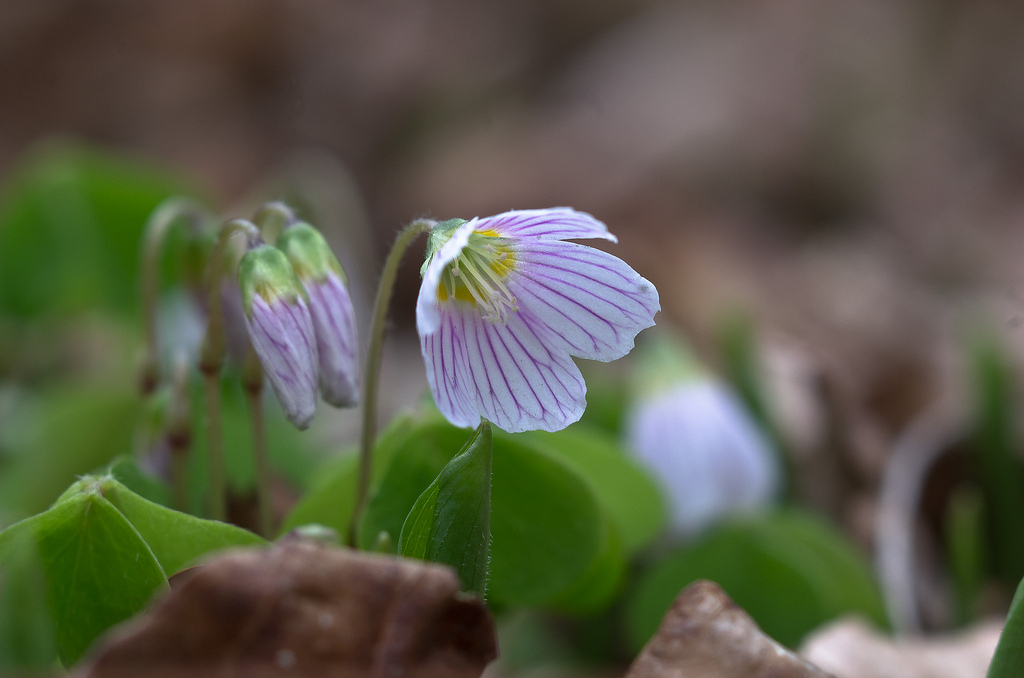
point(331, 309)
point(280, 329)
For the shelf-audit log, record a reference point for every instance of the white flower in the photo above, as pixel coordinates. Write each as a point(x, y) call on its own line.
point(709, 455)
point(506, 303)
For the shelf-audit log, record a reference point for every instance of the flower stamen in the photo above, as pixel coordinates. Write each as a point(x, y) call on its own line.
point(477, 276)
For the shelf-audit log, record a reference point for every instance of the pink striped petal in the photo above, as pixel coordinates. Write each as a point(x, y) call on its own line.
point(282, 336)
point(506, 374)
point(515, 368)
point(593, 302)
point(553, 223)
point(335, 325)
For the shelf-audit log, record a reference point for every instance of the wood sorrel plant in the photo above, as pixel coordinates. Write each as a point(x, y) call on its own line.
point(505, 305)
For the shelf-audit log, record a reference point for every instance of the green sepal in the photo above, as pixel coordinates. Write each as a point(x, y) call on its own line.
point(439, 235)
point(310, 255)
point(266, 271)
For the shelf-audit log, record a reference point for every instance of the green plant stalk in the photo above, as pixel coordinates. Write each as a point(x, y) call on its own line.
point(372, 377)
point(211, 360)
point(252, 380)
point(215, 443)
point(272, 218)
point(179, 432)
point(159, 224)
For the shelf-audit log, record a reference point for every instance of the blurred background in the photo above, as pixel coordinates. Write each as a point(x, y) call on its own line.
point(827, 195)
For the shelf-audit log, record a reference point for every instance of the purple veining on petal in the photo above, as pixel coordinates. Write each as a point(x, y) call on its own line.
point(596, 318)
point(335, 333)
point(572, 300)
point(278, 335)
point(555, 223)
point(443, 373)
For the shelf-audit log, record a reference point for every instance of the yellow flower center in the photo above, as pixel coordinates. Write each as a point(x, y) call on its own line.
point(477, 276)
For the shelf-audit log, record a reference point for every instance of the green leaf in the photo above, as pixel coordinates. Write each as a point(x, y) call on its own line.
point(450, 521)
point(28, 642)
point(176, 539)
point(546, 524)
point(630, 496)
point(330, 500)
point(416, 460)
point(601, 581)
point(127, 472)
point(98, 569)
point(414, 542)
point(1001, 472)
point(1008, 661)
point(789, 571)
point(103, 551)
point(75, 431)
point(966, 548)
point(70, 222)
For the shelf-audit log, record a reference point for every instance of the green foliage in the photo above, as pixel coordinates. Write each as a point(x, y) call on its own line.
point(450, 522)
point(99, 570)
point(27, 639)
point(1001, 473)
point(546, 527)
point(176, 539)
point(291, 453)
point(330, 500)
point(127, 472)
point(102, 552)
point(73, 430)
point(71, 218)
point(789, 571)
point(966, 549)
point(631, 498)
point(1008, 661)
point(553, 543)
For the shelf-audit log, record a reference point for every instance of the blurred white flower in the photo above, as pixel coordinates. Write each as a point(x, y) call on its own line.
point(709, 455)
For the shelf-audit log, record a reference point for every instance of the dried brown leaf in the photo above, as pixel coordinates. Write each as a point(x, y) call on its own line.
point(301, 609)
point(706, 635)
point(850, 649)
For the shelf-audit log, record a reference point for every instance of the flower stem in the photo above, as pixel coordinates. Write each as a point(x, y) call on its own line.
point(372, 379)
point(217, 503)
point(272, 218)
point(179, 432)
point(157, 227)
point(211, 359)
point(252, 381)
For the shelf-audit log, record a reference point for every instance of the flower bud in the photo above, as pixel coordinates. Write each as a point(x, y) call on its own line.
point(331, 309)
point(692, 432)
point(707, 453)
point(280, 329)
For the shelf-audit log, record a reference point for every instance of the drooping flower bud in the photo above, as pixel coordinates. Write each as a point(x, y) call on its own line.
point(280, 329)
point(695, 436)
point(331, 308)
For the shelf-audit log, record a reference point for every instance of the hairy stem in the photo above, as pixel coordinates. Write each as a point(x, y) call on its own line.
point(160, 222)
point(272, 218)
point(252, 380)
point(211, 359)
point(372, 379)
